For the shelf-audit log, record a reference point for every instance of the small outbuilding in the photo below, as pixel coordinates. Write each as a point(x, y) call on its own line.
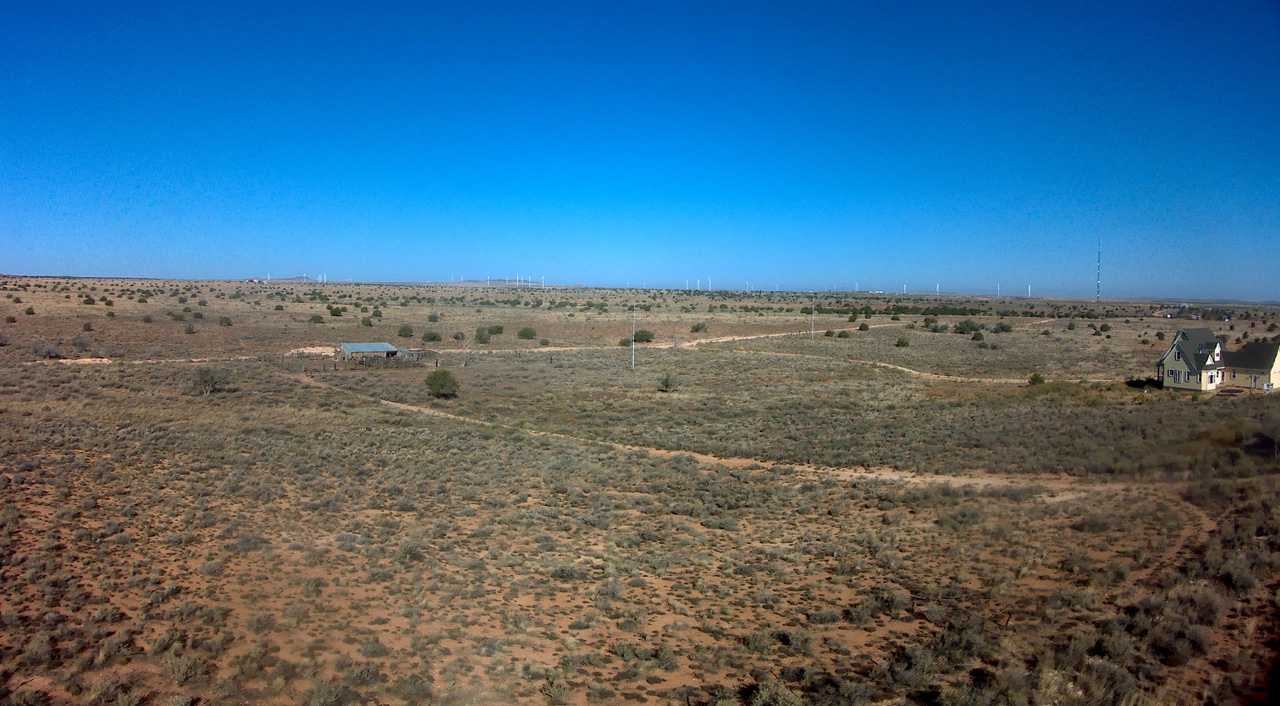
point(366, 351)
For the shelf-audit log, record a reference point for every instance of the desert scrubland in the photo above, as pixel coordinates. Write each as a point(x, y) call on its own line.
point(884, 510)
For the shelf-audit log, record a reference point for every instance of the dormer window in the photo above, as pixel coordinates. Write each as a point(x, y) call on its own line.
point(1177, 354)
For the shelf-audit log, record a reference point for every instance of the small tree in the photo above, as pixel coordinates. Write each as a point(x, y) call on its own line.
point(527, 333)
point(366, 321)
point(316, 319)
point(644, 336)
point(208, 381)
point(978, 336)
point(495, 330)
point(700, 327)
point(405, 331)
point(430, 336)
point(442, 384)
point(1035, 379)
point(863, 326)
point(224, 320)
point(668, 383)
point(482, 335)
point(903, 342)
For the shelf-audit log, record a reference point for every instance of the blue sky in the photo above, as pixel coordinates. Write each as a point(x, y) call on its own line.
point(802, 145)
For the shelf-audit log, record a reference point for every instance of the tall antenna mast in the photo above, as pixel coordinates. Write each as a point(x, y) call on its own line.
point(1099, 294)
point(813, 312)
point(633, 336)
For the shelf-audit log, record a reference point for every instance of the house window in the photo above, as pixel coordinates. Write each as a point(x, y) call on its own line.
point(1177, 354)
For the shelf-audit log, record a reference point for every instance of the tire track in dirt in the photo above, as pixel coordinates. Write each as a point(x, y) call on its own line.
point(1199, 526)
point(809, 470)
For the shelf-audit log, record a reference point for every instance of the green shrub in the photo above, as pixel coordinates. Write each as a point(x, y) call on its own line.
point(1035, 379)
point(699, 327)
point(442, 383)
point(527, 333)
point(842, 334)
point(224, 320)
point(544, 342)
point(377, 313)
point(404, 331)
point(459, 336)
point(431, 336)
point(668, 383)
point(903, 342)
point(433, 318)
point(978, 336)
point(495, 330)
point(87, 326)
point(29, 311)
point(829, 333)
point(366, 321)
point(863, 326)
point(316, 319)
point(279, 307)
point(482, 334)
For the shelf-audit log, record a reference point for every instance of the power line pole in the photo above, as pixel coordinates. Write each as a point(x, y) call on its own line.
point(813, 312)
point(633, 336)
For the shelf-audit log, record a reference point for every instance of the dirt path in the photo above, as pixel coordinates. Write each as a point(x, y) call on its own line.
point(808, 470)
point(1198, 526)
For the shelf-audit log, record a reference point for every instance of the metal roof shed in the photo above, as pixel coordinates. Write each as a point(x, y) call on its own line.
point(379, 349)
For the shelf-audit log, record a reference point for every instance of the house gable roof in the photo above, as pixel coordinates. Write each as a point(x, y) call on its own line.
point(378, 347)
point(1257, 355)
point(1197, 346)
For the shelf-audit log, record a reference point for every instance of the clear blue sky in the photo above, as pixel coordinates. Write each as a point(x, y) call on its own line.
point(802, 145)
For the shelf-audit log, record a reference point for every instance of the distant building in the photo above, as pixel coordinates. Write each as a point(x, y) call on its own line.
point(365, 351)
point(1196, 360)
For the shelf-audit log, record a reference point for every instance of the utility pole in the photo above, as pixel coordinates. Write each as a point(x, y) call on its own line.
point(813, 312)
point(633, 336)
point(1028, 291)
